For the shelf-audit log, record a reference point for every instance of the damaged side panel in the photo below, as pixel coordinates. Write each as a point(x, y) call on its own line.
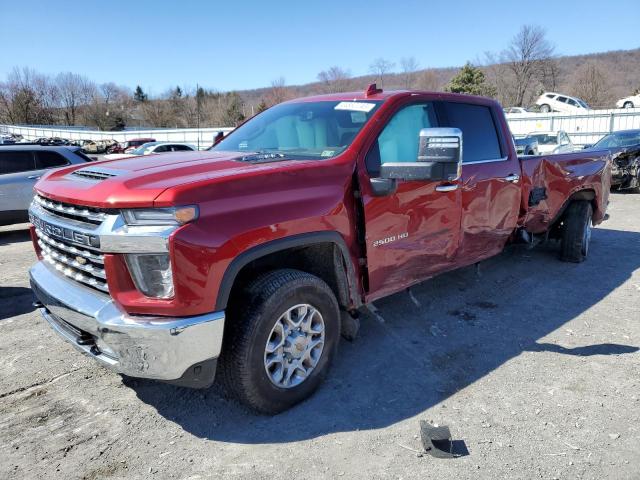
point(549, 182)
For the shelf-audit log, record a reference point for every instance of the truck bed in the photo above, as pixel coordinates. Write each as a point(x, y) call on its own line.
point(549, 181)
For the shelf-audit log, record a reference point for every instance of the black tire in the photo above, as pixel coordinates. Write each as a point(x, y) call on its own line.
point(628, 105)
point(544, 108)
point(250, 321)
point(576, 232)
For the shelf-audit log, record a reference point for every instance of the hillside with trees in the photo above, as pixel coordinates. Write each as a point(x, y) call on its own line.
point(528, 65)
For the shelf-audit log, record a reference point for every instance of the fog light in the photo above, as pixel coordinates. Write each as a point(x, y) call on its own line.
point(151, 274)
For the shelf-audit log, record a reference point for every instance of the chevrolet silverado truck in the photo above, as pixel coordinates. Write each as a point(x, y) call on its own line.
point(246, 262)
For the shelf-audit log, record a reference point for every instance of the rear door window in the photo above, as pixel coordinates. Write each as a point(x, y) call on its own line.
point(49, 159)
point(15, 162)
point(562, 99)
point(480, 140)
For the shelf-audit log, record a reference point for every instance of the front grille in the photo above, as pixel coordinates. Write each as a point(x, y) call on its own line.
point(91, 216)
point(80, 264)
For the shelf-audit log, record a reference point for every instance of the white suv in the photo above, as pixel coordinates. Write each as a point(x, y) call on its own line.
point(556, 102)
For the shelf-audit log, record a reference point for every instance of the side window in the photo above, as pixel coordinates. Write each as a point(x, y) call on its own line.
point(562, 99)
point(15, 162)
point(572, 102)
point(161, 148)
point(480, 139)
point(49, 160)
point(398, 141)
point(550, 95)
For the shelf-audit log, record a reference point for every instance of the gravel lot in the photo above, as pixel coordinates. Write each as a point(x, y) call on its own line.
point(534, 365)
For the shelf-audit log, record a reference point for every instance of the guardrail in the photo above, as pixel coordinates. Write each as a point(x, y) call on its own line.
point(583, 128)
point(201, 137)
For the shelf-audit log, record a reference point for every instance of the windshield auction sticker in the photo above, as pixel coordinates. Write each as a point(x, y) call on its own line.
point(355, 106)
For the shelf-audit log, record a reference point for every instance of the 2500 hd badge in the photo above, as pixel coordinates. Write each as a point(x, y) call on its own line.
point(392, 238)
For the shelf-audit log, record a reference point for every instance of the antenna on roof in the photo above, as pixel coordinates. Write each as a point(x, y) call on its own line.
point(371, 90)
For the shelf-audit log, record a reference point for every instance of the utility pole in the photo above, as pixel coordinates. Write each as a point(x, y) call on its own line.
point(198, 112)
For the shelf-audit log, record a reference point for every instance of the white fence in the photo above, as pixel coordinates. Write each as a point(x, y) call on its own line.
point(583, 128)
point(202, 137)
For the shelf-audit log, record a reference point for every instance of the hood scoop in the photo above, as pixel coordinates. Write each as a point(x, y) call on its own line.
point(96, 174)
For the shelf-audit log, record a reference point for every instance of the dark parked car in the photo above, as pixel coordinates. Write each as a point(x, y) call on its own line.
point(526, 145)
point(625, 150)
point(20, 168)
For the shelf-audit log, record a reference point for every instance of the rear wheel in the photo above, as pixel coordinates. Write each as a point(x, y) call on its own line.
point(282, 335)
point(576, 232)
point(545, 108)
point(628, 105)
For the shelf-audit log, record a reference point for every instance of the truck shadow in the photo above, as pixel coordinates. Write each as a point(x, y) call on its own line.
point(416, 354)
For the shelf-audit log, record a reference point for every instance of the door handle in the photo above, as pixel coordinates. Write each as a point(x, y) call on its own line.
point(34, 177)
point(513, 178)
point(447, 188)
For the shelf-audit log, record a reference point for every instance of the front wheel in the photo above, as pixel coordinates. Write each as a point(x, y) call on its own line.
point(282, 335)
point(545, 108)
point(576, 232)
point(628, 105)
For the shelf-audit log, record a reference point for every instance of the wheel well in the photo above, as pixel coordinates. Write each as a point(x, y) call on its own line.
point(589, 195)
point(325, 260)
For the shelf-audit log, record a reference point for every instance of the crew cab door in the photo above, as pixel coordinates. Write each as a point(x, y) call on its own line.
point(411, 231)
point(490, 183)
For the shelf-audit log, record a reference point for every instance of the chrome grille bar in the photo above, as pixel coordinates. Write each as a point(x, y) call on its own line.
point(54, 207)
point(75, 275)
point(96, 258)
point(71, 262)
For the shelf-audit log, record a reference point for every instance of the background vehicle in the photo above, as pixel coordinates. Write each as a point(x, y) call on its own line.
point(97, 146)
point(625, 150)
point(299, 217)
point(129, 145)
point(629, 102)
point(20, 168)
point(552, 142)
point(517, 111)
point(556, 102)
point(526, 145)
point(152, 147)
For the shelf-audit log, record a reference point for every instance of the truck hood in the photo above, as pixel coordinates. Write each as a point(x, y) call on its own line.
point(138, 181)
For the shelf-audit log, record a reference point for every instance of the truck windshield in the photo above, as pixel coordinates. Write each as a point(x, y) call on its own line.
point(311, 130)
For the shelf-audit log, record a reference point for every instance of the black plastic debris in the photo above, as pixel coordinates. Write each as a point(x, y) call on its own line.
point(436, 440)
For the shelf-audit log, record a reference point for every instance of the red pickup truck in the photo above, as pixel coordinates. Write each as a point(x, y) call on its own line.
point(251, 258)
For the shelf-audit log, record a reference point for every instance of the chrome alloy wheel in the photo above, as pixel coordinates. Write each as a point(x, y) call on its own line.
point(294, 346)
point(586, 238)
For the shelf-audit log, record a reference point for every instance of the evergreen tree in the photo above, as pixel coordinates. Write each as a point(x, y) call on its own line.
point(234, 114)
point(139, 95)
point(471, 80)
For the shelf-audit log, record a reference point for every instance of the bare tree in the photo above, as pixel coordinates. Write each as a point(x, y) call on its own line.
point(380, 67)
point(27, 97)
point(428, 80)
point(277, 93)
point(74, 91)
point(409, 65)
point(592, 84)
point(526, 58)
point(334, 79)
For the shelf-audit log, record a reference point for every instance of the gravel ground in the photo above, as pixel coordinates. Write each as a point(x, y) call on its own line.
point(533, 364)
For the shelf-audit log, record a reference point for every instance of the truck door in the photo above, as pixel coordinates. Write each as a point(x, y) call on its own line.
point(490, 187)
point(412, 232)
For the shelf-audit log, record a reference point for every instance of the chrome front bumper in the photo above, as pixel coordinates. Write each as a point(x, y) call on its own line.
point(173, 349)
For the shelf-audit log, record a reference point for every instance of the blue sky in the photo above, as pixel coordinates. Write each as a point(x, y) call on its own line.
point(246, 44)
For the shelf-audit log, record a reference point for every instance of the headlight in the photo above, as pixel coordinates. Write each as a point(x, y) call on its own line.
point(160, 216)
point(151, 274)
